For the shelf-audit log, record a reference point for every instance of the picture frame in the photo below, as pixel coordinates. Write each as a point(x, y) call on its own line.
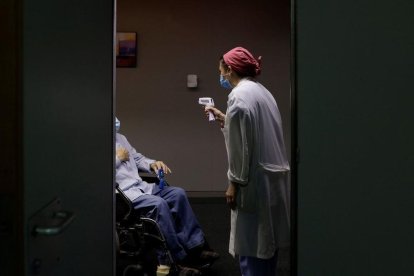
point(126, 49)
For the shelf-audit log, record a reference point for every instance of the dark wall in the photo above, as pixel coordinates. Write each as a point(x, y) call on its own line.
point(354, 77)
point(159, 114)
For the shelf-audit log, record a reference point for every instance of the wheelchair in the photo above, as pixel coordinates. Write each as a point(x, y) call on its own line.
point(139, 240)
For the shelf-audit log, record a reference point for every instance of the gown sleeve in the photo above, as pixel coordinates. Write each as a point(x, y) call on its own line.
point(143, 163)
point(238, 141)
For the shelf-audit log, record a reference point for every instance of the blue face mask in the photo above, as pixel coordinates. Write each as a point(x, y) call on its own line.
point(225, 83)
point(117, 124)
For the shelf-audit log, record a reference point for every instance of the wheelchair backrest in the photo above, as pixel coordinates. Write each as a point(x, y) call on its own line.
point(123, 205)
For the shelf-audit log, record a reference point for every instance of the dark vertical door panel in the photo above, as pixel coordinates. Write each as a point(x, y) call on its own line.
point(67, 136)
point(354, 83)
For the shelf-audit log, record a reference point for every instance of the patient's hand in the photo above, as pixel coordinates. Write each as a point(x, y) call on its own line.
point(160, 165)
point(122, 154)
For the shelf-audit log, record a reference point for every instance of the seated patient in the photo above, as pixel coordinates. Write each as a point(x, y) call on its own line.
point(169, 207)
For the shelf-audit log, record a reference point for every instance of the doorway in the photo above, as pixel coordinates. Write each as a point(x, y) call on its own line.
point(161, 114)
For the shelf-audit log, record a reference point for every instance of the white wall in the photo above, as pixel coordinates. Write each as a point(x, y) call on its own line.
point(159, 114)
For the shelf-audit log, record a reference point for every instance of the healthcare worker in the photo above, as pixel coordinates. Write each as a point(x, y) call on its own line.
point(168, 206)
point(258, 168)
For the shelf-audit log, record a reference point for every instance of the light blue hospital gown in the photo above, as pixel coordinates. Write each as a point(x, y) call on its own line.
point(169, 207)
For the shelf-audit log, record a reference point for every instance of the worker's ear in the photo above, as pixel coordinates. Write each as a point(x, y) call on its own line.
point(231, 72)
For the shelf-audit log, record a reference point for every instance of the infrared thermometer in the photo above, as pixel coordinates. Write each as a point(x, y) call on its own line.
point(206, 101)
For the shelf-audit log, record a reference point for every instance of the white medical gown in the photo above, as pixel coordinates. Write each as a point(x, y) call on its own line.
point(257, 161)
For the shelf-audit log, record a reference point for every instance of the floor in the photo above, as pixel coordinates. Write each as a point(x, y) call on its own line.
point(214, 217)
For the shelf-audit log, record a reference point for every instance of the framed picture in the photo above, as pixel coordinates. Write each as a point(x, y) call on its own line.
point(126, 49)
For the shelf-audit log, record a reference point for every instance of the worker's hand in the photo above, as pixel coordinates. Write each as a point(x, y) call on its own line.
point(122, 154)
point(160, 165)
point(218, 115)
point(231, 195)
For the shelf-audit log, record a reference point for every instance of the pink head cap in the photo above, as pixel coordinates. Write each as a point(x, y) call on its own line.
point(242, 62)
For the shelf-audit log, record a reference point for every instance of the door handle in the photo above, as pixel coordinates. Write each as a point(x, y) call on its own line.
point(66, 219)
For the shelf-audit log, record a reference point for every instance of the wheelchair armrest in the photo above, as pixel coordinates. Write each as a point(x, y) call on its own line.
point(149, 177)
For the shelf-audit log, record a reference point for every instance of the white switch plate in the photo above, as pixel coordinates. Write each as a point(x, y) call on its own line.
point(191, 81)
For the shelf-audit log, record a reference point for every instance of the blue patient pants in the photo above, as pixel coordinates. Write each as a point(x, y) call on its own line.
point(172, 211)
